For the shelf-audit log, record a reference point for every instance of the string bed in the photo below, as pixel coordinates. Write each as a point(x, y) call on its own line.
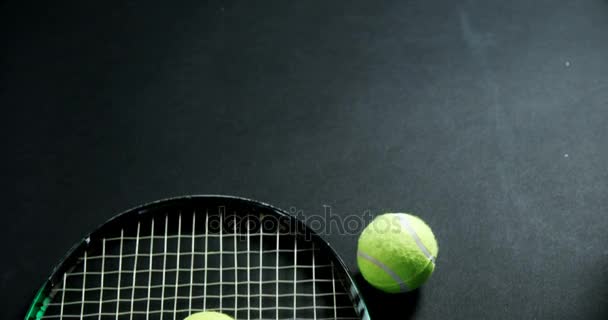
point(168, 266)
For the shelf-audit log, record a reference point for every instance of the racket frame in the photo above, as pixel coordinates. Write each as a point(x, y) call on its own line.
point(69, 261)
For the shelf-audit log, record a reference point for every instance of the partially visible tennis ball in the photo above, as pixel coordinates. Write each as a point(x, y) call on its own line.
point(396, 252)
point(208, 315)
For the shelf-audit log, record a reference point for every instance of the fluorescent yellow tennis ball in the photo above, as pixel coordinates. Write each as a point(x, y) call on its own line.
point(208, 315)
point(397, 252)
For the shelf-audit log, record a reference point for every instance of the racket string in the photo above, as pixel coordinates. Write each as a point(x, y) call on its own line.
point(164, 273)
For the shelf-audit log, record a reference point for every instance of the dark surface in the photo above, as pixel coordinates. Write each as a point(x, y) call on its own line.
point(487, 118)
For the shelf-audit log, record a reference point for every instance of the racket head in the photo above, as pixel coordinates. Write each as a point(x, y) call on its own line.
point(173, 257)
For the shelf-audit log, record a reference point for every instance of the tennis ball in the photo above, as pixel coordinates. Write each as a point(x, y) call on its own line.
point(396, 252)
point(208, 315)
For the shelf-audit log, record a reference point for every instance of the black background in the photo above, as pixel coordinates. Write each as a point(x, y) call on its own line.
point(486, 118)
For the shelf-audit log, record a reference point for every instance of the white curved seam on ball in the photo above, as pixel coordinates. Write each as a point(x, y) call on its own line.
point(402, 286)
point(412, 232)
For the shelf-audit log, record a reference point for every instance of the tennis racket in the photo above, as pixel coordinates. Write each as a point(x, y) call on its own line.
point(172, 258)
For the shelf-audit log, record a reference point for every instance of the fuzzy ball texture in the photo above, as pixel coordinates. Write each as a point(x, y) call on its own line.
point(208, 315)
point(396, 252)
